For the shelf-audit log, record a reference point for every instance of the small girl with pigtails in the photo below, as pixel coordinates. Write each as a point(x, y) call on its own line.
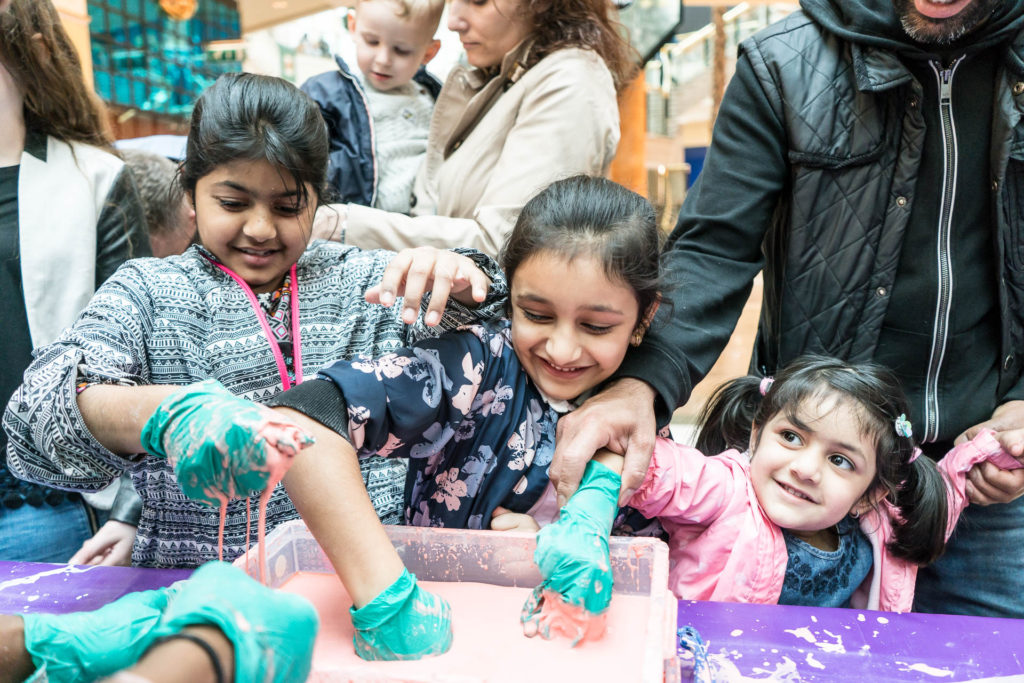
point(817, 497)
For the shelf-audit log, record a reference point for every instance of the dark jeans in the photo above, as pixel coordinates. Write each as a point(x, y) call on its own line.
point(982, 572)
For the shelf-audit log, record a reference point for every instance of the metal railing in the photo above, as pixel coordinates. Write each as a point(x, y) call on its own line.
point(681, 68)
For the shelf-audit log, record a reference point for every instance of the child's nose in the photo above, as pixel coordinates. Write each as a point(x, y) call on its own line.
point(260, 226)
point(562, 349)
point(806, 465)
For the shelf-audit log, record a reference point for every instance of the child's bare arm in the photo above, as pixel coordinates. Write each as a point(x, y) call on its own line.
point(328, 491)
point(612, 461)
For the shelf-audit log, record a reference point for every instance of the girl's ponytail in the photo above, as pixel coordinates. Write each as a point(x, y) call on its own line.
point(726, 419)
point(919, 531)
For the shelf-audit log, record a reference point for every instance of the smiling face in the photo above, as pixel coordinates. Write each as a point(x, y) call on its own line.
point(940, 22)
point(570, 324)
point(488, 29)
point(810, 470)
point(390, 48)
point(250, 216)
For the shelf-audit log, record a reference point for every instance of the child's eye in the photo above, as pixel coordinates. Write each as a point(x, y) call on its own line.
point(289, 209)
point(231, 204)
point(372, 42)
point(535, 317)
point(402, 52)
point(597, 329)
point(841, 461)
point(791, 437)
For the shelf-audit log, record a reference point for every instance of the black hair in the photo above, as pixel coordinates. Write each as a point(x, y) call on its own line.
point(250, 117)
point(594, 216)
point(914, 486)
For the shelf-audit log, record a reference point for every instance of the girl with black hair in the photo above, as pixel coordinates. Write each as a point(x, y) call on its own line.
point(475, 411)
point(819, 497)
point(250, 305)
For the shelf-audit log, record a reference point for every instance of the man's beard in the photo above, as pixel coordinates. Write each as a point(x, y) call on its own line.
point(930, 31)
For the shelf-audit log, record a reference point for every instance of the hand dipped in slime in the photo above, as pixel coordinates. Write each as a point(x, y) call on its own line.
point(575, 564)
point(402, 622)
point(221, 446)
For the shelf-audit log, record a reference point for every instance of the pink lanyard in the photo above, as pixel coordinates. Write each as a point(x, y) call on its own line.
point(282, 368)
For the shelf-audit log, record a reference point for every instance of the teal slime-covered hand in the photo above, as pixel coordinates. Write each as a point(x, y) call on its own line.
point(403, 622)
point(221, 446)
point(572, 554)
point(272, 631)
point(86, 646)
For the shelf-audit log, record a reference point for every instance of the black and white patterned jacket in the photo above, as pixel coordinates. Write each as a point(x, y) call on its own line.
point(181, 320)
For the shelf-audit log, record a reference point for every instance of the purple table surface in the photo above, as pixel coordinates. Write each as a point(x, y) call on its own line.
point(59, 588)
point(745, 642)
point(773, 642)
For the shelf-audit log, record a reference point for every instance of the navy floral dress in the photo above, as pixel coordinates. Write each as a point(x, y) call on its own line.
point(477, 432)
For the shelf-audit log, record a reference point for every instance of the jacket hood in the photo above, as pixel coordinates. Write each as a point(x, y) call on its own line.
point(874, 22)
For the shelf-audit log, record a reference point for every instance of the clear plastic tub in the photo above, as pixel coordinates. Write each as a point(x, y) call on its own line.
point(639, 567)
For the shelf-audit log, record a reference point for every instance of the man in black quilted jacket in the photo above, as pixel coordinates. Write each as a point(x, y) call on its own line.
point(869, 157)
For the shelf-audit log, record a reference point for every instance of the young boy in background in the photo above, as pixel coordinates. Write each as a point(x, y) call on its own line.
point(378, 118)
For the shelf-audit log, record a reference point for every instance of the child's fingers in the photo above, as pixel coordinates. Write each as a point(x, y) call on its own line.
point(390, 285)
point(373, 296)
point(477, 280)
point(443, 277)
point(506, 520)
point(421, 271)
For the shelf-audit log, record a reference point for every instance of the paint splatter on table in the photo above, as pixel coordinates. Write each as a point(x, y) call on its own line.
point(771, 642)
point(753, 642)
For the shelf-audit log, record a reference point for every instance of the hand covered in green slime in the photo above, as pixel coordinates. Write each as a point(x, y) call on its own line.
point(403, 622)
point(574, 561)
point(91, 645)
point(272, 631)
point(221, 446)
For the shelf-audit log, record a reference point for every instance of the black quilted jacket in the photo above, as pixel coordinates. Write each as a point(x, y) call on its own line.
point(810, 176)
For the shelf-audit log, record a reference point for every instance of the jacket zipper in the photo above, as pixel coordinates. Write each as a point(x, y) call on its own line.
point(940, 328)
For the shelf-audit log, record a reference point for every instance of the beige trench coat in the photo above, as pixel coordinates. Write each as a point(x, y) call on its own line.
point(493, 144)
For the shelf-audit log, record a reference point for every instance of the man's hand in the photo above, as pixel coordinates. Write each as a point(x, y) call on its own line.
point(110, 547)
point(414, 272)
point(621, 419)
point(1008, 416)
point(986, 483)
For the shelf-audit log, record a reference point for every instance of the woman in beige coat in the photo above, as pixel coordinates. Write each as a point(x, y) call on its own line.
point(537, 103)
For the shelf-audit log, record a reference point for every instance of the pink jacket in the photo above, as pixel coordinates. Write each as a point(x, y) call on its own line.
point(723, 547)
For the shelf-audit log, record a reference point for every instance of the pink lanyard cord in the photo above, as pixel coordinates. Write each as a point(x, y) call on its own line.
point(275, 348)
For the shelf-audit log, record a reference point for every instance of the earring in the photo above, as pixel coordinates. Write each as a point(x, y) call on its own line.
point(637, 336)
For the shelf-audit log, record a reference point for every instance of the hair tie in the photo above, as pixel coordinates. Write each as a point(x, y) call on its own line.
point(903, 427)
point(766, 384)
point(914, 456)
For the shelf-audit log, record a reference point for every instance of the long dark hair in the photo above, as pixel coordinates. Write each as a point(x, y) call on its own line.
point(558, 24)
point(47, 69)
point(250, 117)
point(590, 215)
point(913, 485)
